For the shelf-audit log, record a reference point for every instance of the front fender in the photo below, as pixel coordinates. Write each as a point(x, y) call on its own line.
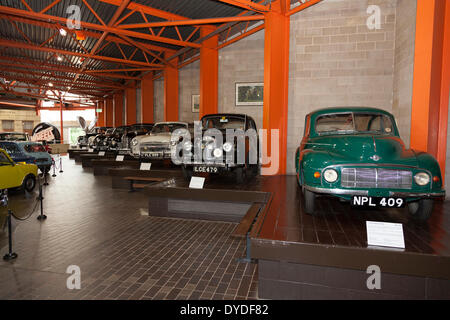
point(311, 162)
point(427, 162)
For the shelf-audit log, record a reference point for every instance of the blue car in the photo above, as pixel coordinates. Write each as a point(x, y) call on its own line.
point(28, 152)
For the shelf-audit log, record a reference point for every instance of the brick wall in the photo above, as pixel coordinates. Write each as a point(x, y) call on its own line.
point(242, 61)
point(18, 116)
point(404, 65)
point(335, 60)
point(189, 84)
point(447, 166)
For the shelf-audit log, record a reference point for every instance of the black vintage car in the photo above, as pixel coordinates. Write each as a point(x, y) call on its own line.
point(224, 143)
point(86, 140)
point(119, 139)
point(100, 142)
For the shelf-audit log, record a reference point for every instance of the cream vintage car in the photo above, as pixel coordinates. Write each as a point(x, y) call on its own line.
point(156, 144)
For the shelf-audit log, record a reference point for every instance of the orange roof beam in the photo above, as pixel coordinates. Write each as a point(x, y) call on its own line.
point(302, 7)
point(247, 5)
point(191, 22)
point(14, 44)
point(93, 26)
point(148, 10)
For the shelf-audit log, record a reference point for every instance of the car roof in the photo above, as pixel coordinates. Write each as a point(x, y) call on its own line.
point(241, 115)
point(12, 133)
point(171, 122)
point(348, 109)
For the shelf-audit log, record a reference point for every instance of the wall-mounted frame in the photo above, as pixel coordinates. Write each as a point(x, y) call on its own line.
point(195, 103)
point(249, 94)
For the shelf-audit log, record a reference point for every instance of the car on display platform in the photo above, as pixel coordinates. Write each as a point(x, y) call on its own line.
point(156, 144)
point(14, 175)
point(84, 141)
point(357, 155)
point(238, 156)
point(14, 136)
point(135, 130)
point(100, 141)
point(28, 152)
point(116, 141)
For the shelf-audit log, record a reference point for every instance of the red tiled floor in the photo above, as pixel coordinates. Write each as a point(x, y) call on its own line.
point(122, 252)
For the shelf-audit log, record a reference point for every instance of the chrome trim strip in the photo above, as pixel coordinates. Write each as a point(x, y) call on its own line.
point(338, 191)
point(366, 193)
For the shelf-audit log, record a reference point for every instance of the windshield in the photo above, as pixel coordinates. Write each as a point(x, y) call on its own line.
point(34, 148)
point(10, 148)
point(354, 123)
point(4, 159)
point(13, 136)
point(224, 122)
point(167, 127)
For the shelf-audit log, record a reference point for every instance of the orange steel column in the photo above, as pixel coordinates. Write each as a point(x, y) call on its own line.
point(101, 114)
point(130, 106)
point(118, 109)
point(276, 81)
point(147, 98)
point(429, 114)
point(209, 72)
point(171, 91)
point(109, 110)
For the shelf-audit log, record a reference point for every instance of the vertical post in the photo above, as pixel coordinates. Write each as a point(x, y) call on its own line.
point(101, 114)
point(109, 112)
point(429, 115)
point(276, 81)
point(209, 72)
point(130, 105)
point(118, 109)
point(147, 98)
point(61, 119)
point(171, 91)
point(10, 255)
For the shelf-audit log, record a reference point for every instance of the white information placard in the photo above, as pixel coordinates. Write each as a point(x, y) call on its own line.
point(120, 158)
point(197, 183)
point(90, 150)
point(384, 234)
point(145, 166)
point(101, 153)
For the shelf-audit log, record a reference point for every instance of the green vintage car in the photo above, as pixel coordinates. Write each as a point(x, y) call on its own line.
point(356, 154)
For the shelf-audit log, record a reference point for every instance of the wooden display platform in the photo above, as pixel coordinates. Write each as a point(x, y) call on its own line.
point(320, 257)
point(101, 166)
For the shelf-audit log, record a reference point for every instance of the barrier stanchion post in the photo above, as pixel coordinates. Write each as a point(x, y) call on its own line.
point(42, 216)
point(10, 255)
point(60, 164)
point(45, 179)
point(54, 168)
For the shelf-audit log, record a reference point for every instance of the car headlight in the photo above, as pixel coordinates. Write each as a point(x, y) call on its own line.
point(422, 179)
point(227, 147)
point(217, 153)
point(134, 142)
point(330, 175)
point(187, 146)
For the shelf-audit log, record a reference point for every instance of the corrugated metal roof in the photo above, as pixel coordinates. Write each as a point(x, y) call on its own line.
point(38, 34)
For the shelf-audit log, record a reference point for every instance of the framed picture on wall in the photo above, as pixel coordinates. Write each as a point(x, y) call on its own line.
point(249, 94)
point(195, 103)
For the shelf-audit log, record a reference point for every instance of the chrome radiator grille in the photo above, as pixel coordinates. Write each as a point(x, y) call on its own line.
point(376, 178)
point(155, 147)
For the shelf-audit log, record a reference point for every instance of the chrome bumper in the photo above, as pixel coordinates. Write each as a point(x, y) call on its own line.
point(346, 192)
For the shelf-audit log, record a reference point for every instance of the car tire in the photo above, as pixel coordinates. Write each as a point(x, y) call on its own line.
point(187, 173)
point(29, 183)
point(239, 175)
point(421, 210)
point(310, 202)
